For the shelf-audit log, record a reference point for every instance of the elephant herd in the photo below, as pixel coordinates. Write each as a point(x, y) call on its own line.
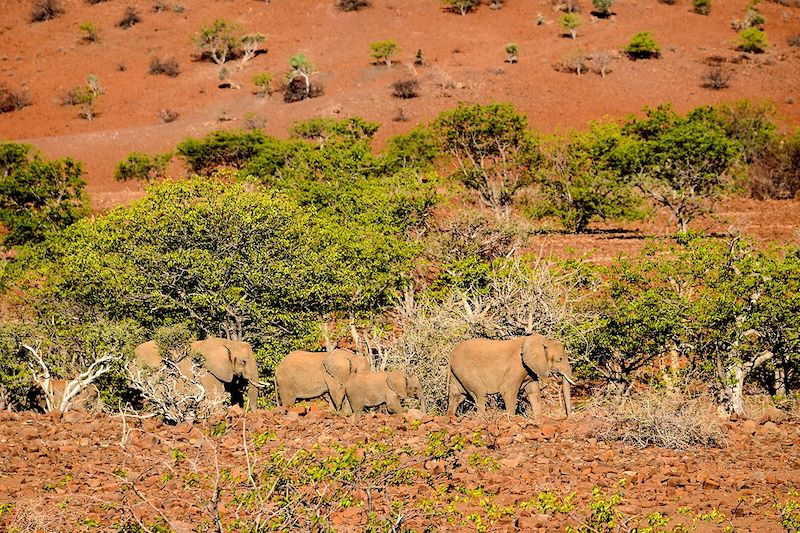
point(478, 368)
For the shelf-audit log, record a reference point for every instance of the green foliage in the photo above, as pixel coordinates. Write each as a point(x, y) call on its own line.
point(603, 7)
point(142, 167)
point(220, 41)
point(511, 51)
point(90, 34)
point(681, 163)
point(384, 50)
point(571, 22)
point(751, 124)
point(325, 130)
point(753, 40)
point(643, 46)
point(415, 149)
point(789, 511)
point(702, 7)
point(263, 82)
point(300, 63)
point(582, 180)
point(37, 196)
point(461, 6)
point(221, 149)
point(495, 153)
point(15, 374)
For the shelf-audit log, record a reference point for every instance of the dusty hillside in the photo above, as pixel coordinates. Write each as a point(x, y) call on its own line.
point(49, 58)
point(88, 473)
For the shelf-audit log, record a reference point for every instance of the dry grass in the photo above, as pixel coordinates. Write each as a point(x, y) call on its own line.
point(656, 418)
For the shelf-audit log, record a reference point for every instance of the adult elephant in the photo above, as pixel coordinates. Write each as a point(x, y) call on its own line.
point(479, 367)
point(306, 375)
point(227, 364)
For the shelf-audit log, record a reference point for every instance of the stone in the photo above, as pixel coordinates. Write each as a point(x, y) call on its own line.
point(548, 431)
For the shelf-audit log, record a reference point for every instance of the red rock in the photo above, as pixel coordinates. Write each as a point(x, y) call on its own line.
point(527, 523)
point(748, 427)
point(548, 431)
point(711, 483)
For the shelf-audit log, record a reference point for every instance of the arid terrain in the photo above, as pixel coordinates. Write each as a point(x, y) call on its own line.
point(99, 472)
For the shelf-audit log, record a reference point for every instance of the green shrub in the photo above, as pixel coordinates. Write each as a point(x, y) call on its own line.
point(220, 41)
point(220, 149)
point(90, 34)
point(38, 196)
point(753, 40)
point(571, 22)
point(643, 46)
point(603, 7)
point(702, 7)
point(142, 167)
point(263, 82)
point(511, 52)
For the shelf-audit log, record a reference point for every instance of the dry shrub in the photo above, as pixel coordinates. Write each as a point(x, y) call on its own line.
point(567, 6)
point(168, 115)
point(45, 10)
point(718, 76)
point(12, 99)
point(775, 173)
point(576, 64)
point(794, 41)
point(352, 5)
point(295, 90)
point(167, 67)
point(405, 88)
point(521, 301)
point(33, 516)
point(130, 18)
point(657, 418)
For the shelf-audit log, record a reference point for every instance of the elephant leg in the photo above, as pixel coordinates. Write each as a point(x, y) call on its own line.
point(393, 404)
point(510, 399)
point(356, 403)
point(215, 389)
point(336, 393)
point(533, 391)
point(480, 400)
point(286, 397)
point(456, 395)
point(252, 397)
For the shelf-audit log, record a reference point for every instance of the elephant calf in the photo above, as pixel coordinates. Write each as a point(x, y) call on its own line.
point(370, 389)
point(307, 375)
point(87, 399)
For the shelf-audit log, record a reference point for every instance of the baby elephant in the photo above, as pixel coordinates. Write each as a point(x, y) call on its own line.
point(370, 389)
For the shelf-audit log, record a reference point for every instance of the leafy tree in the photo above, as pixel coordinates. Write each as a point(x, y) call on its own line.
point(37, 196)
point(298, 79)
point(753, 40)
point(384, 50)
point(461, 6)
point(221, 149)
point(571, 22)
point(581, 179)
point(142, 167)
point(220, 41)
point(751, 124)
point(495, 153)
point(682, 164)
point(643, 46)
point(415, 149)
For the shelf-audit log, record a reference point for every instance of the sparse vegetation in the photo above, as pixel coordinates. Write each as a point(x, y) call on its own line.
point(167, 67)
point(90, 33)
point(571, 22)
point(13, 99)
point(43, 10)
point(511, 53)
point(251, 45)
point(352, 5)
point(405, 88)
point(220, 41)
point(130, 18)
point(461, 6)
point(603, 7)
point(701, 7)
point(717, 76)
point(299, 85)
point(263, 83)
point(643, 46)
point(168, 115)
point(85, 97)
point(794, 41)
point(384, 50)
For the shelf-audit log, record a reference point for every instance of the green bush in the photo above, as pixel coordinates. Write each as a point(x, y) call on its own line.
point(753, 40)
point(384, 50)
point(142, 167)
point(221, 149)
point(702, 7)
point(603, 7)
point(220, 41)
point(38, 196)
point(571, 22)
point(263, 82)
point(415, 149)
point(643, 46)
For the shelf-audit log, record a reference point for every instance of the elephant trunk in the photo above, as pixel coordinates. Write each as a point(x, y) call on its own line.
point(565, 384)
point(252, 395)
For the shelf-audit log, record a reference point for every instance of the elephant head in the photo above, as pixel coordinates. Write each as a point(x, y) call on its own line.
point(227, 360)
point(546, 356)
point(405, 386)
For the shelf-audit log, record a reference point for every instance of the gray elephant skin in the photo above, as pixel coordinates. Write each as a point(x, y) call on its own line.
point(371, 389)
point(227, 362)
point(306, 375)
point(479, 367)
point(88, 399)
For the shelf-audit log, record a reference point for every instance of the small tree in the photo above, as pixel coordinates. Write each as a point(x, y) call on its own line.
point(85, 96)
point(511, 53)
point(643, 46)
point(298, 80)
point(753, 40)
point(461, 6)
point(571, 22)
point(603, 7)
point(250, 45)
point(220, 41)
point(384, 50)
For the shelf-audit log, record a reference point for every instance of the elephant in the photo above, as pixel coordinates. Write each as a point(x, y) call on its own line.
point(479, 367)
point(87, 399)
point(307, 375)
point(226, 363)
point(370, 389)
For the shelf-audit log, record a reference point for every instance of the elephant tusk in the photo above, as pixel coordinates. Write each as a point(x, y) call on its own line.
point(258, 384)
point(569, 380)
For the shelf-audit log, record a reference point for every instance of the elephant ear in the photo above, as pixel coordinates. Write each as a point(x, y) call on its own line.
point(398, 382)
point(337, 365)
point(534, 354)
point(218, 358)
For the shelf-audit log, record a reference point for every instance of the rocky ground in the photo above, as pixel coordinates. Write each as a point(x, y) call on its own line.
point(305, 469)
